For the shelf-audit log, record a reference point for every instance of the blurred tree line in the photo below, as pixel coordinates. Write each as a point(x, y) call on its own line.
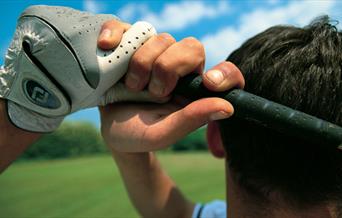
point(73, 139)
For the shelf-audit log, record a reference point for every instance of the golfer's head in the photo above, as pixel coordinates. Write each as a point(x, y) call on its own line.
point(300, 68)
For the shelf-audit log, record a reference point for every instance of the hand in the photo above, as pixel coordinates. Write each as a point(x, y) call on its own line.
point(158, 65)
point(160, 62)
point(48, 75)
point(147, 127)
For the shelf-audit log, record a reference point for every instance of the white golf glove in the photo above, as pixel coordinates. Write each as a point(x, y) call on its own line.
point(53, 66)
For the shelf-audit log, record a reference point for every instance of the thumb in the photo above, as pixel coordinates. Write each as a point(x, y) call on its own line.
point(111, 34)
point(223, 76)
point(182, 122)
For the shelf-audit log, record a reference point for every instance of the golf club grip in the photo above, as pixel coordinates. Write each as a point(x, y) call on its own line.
point(265, 113)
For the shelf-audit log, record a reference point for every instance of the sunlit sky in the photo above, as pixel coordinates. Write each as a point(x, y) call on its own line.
point(220, 25)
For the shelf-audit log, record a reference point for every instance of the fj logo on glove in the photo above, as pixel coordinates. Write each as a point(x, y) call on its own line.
point(39, 95)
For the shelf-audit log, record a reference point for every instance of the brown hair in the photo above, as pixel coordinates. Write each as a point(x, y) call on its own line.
point(300, 68)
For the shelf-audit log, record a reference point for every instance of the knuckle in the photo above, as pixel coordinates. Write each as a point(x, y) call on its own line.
point(187, 114)
point(193, 42)
point(196, 46)
point(165, 38)
point(109, 24)
point(190, 113)
point(162, 66)
point(140, 64)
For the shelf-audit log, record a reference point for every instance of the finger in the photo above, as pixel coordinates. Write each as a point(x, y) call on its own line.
point(177, 61)
point(182, 122)
point(111, 34)
point(223, 76)
point(140, 66)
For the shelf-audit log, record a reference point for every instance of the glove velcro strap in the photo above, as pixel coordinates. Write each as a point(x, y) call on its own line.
point(34, 90)
point(29, 120)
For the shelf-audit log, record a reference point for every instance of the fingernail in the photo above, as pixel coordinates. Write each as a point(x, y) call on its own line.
point(106, 33)
point(219, 115)
point(215, 76)
point(132, 80)
point(157, 87)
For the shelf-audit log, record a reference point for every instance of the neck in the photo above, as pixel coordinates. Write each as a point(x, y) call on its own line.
point(241, 206)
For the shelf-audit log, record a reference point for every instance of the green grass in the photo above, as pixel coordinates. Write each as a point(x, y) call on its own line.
point(91, 186)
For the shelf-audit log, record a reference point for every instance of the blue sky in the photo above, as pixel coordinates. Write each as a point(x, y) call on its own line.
point(220, 25)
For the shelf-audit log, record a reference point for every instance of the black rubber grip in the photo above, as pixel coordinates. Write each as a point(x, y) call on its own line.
point(266, 113)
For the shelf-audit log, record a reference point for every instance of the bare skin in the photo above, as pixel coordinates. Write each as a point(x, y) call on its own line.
point(157, 127)
point(152, 127)
point(13, 141)
point(242, 206)
point(132, 131)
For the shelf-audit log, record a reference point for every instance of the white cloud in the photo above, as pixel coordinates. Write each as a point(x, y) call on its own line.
point(273, 2)
point(132, 11)
point(224, 41)
point(127, 12)
point(174, 16)
point(178, 16)
point(93, 6)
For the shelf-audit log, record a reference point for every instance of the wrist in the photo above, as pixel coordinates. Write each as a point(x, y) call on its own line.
point(128, 159)
point(126, 155)
point(13, 141)
point(9, 131)
point(26, 119)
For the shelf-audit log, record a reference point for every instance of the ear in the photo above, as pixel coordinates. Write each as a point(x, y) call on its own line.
point(214, 140)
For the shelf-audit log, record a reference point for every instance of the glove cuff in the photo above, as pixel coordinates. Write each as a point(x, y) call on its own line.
point(26, 119)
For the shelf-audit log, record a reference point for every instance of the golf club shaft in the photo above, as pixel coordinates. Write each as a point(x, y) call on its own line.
point(265, 113)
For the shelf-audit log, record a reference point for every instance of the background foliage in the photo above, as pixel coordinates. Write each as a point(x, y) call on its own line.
point(70, 140)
